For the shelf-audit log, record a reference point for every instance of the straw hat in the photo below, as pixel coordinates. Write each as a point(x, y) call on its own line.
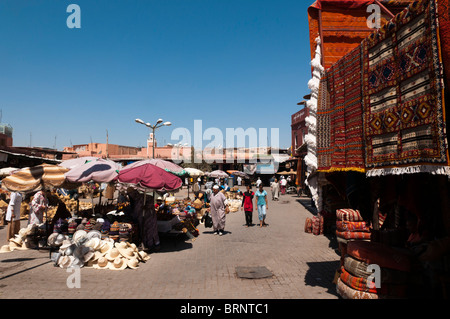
point(79, 235)
point(25, 245)
point(133, 263)
point(70, 250)
point(94, 234)
point(94, 243)
point(118, 264)
point(52, 239)
point(143, 255)
point(112, 254)
point(125, 250)
point(23, 232)
point(97, 256)
point(65, 244)
point(16, 242)
point(75, 262)
point(64, 261)
point(83, 253)
point(106, 245)
point(5, 249)
point(59, 239)
point(102, 263)
point(90, 263)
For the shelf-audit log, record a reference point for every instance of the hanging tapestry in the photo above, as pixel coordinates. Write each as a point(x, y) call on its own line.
point(403, 101)
point(339, 116)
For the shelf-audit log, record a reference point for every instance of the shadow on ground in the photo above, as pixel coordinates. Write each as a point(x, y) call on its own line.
point(170, 243)
point(322, 274)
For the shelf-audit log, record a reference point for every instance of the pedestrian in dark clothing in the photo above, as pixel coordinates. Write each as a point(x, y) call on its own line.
point(247, 205)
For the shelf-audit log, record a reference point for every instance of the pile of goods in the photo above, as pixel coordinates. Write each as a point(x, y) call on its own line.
point(234, 198)
point(27, 238)
point(350, 226)
point(314, 224)
point(391, 267)
point(87, 249)
point(179, 215)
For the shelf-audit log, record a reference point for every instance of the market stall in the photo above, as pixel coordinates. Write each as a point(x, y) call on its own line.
point(79, 235)
point(379, 156)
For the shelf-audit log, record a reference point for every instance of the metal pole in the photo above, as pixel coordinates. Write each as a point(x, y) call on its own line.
point(154, 127)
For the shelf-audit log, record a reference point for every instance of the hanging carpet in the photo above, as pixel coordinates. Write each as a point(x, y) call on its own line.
point(403, 100)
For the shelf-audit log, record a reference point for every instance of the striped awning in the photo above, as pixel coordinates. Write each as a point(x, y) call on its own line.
point(32, 179)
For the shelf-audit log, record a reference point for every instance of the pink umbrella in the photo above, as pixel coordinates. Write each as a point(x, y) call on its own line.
point(148, 177)
point(75, 162)
point(98, 170)
point(166, 165)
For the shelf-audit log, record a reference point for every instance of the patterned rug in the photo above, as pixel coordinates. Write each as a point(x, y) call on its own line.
point(339, 116)
point(403, 101)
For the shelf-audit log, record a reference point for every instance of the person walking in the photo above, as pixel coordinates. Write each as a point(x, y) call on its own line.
point(247, 206)
point(261, 203)
point(275, 186)
point(218, 206)
point(258, 182)
point(283, 185)
point(13, 214)
point(38, 206)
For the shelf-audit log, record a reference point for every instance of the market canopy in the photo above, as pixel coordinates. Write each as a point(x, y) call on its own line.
point(98, 170)
point(75, 162)
point(165, 165)
point(194, 172)
point(7, 171)
point(218, 174)
point(33, 179)
point(148, 178)
point(238, 173)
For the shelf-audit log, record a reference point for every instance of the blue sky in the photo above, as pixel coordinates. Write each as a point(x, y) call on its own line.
point(229, 63)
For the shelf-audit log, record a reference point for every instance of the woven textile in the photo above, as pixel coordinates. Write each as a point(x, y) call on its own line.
point(380, 254)
point(351, 226)
point(339, 116)
point(361, 284)
point(404, 116)
point(347, 292)
point(390, 276)
point(350, 215)
point(357, 283)
point(353, 234)
point(356, 267)
point(444, 33)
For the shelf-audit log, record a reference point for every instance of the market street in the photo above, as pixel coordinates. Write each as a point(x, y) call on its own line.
point(302, 264)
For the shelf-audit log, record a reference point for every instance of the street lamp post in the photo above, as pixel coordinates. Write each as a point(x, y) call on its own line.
point(158, 124)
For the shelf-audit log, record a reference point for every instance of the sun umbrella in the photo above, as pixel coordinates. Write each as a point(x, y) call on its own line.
point(75, 162)
point(238, 173)
point(7, 171)
point(218, 174)
point(98, 170)
point(194, 172)
point(148, 178)
point(287, 173)
point(33, 179)
point(165, 165)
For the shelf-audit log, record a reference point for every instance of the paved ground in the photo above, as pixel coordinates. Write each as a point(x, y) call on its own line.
point(303, 265)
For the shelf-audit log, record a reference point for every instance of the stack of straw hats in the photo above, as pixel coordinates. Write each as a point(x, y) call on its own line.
point(20, 241)
point(100, 253)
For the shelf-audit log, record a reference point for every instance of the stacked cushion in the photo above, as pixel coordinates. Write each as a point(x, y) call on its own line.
point(351, 226)
point(380, 254)
point(394, 265)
